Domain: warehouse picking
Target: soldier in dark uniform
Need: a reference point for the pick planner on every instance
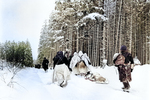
(45, 64)
(126, 68)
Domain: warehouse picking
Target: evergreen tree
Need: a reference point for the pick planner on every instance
(28, 61)
(17, 54)
(128, 24)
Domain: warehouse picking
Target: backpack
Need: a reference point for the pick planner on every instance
(120, 60)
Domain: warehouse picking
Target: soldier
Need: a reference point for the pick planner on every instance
(124, 62)
(45, 64)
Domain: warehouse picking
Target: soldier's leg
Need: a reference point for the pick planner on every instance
(126, 85)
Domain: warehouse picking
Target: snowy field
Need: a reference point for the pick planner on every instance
(35, 84)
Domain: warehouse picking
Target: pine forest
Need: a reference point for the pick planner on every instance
(98, 28)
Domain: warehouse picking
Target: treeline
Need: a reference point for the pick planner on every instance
(98, 28)
(128, 24)
(60, 31)
(17, 54)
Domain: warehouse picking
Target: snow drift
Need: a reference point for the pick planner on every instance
(35, 84)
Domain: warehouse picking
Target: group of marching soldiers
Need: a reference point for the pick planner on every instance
(123, 61)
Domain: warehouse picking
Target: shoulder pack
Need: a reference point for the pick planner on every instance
(120, 60)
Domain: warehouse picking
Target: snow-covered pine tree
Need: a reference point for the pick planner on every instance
(28, 61)
(127, 24)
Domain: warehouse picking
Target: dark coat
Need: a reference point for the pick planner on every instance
(124, 73)
(128, 57)
(45, 64)
(125, 70)
(60, 59)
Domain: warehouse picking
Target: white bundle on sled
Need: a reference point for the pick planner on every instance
(80, 63)
(61, 74)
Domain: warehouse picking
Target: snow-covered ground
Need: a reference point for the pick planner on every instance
(35, 84)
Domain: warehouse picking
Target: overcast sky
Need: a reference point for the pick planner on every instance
(22, 20)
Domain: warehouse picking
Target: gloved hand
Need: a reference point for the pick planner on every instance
(131, 69)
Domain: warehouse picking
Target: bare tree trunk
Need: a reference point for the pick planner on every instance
(104, 39)
(97, 43)
(118, 25)
(130, 44)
